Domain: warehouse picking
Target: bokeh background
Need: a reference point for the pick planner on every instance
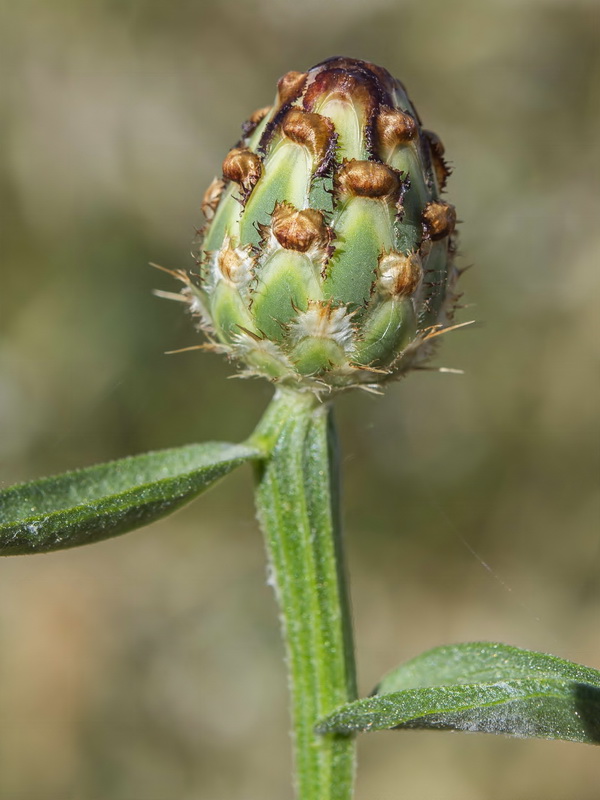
(149, 667)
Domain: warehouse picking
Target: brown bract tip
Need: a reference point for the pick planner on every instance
(211, 198)
(442, 170)
(289, 86)
(243, 167)
(229, 263)
(299, 230)
(311, 130)
(382, 83)
(439, 219)
(234, 264)
(254, 119)
(259, 114)
(395, 127)
(400, 275)
(349, 87)
(367, 179)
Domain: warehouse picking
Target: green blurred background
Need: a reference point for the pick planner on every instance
(149, 667)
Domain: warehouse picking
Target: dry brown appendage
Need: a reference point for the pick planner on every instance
(299, 230)
(211, 198)
(313, 131)
(235, 265)
(442, 170)
(254, 120)
(439, 219)
(289, 86)
(243, 167)
(380, 80)
(394, 127)
(342, 85)
(400, 275)
(367, 179)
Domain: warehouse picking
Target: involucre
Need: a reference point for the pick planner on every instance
(326, 259)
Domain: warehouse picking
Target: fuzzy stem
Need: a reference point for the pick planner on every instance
(297, 500)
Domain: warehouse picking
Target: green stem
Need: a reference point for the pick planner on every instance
(298, 507)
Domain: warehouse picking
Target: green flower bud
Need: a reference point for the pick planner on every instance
(326, 260)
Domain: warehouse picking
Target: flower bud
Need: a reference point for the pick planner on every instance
(326, 258)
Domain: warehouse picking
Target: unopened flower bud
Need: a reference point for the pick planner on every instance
(326, 260)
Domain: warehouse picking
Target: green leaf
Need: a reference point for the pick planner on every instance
(482, 687)
(98, 502)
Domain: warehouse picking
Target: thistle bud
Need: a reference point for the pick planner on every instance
(326, 258)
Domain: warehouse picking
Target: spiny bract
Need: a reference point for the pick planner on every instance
(326, 260)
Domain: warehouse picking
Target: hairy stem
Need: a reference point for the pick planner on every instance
(298, 507)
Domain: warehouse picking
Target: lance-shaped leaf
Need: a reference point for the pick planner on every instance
(482, 687)
(98, 502)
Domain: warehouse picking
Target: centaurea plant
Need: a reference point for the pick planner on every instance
(326, 264)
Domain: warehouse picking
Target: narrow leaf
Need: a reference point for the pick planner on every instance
(482, 687)
(98, 502)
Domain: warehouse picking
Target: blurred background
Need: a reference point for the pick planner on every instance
(149, 667)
